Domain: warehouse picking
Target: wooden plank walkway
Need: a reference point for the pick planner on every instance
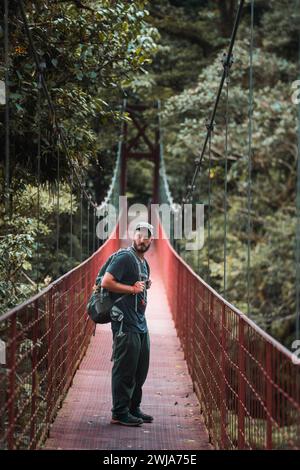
(83, 422)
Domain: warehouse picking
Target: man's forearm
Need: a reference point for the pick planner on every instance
(118, 287)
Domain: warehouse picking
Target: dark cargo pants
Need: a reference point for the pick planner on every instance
(131, 354)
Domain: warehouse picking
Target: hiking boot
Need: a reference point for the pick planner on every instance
(139, 414)
(127, 420)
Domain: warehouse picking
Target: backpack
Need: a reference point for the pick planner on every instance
(100, 303)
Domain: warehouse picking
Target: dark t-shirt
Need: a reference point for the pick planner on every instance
(123, 268)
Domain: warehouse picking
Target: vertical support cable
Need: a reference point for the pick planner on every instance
(94, 230)
(191, 196)
(250, 128)
(171, 227)
(38, 180)
(7, 130)
(81, 195)
(227, 64)
(298, 217)
(225, 179)
(71, 215)
(98, 241)
(88, 228)
(209, 204)
(58, 196)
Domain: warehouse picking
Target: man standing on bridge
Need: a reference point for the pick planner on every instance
(131, 346)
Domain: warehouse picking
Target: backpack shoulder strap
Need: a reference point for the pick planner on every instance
(148, 267)
(137, 264)
(134, 256)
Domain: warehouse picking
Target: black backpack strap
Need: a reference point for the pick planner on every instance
(134, 256)
(136, 262)
(148, 268)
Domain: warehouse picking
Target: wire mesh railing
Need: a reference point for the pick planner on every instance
(45, 340)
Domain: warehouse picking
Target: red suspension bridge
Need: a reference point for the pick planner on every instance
(216, 380)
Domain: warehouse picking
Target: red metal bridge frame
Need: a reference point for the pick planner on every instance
(130, 147)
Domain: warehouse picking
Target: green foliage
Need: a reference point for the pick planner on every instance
(88, 52)
(15, 253)
(28, 243)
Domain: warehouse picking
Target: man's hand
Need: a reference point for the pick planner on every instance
(139, 286)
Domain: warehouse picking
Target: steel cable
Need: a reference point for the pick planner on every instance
(58, 202)
(227, 63)
(250, 131)
(297, 333)
(7, 128)
(38, 181)
(71, 215)
(226, 66)
(209, 207)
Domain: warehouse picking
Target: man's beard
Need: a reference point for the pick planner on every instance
(141, 249)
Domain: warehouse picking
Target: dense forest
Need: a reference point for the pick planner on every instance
(96, 53)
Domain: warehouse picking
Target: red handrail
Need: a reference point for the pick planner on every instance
(246, 382)
(46, 338)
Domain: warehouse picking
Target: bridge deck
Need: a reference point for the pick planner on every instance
(83, 422)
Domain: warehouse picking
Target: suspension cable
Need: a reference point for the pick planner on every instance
(71, 215)
(227, 66)
(209, 205)
(250, 131)
(94, 230)
(81, 224)
(198, 161)
(298, 219)
(58, 201)
(164, 185)
(88, 229)
(38, 180)
(7, 130)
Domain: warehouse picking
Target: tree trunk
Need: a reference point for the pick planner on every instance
(226, 9)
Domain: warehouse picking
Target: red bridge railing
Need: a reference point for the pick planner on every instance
(45, 340)
(246, 382)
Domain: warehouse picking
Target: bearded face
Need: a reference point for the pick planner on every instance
(142, 240)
